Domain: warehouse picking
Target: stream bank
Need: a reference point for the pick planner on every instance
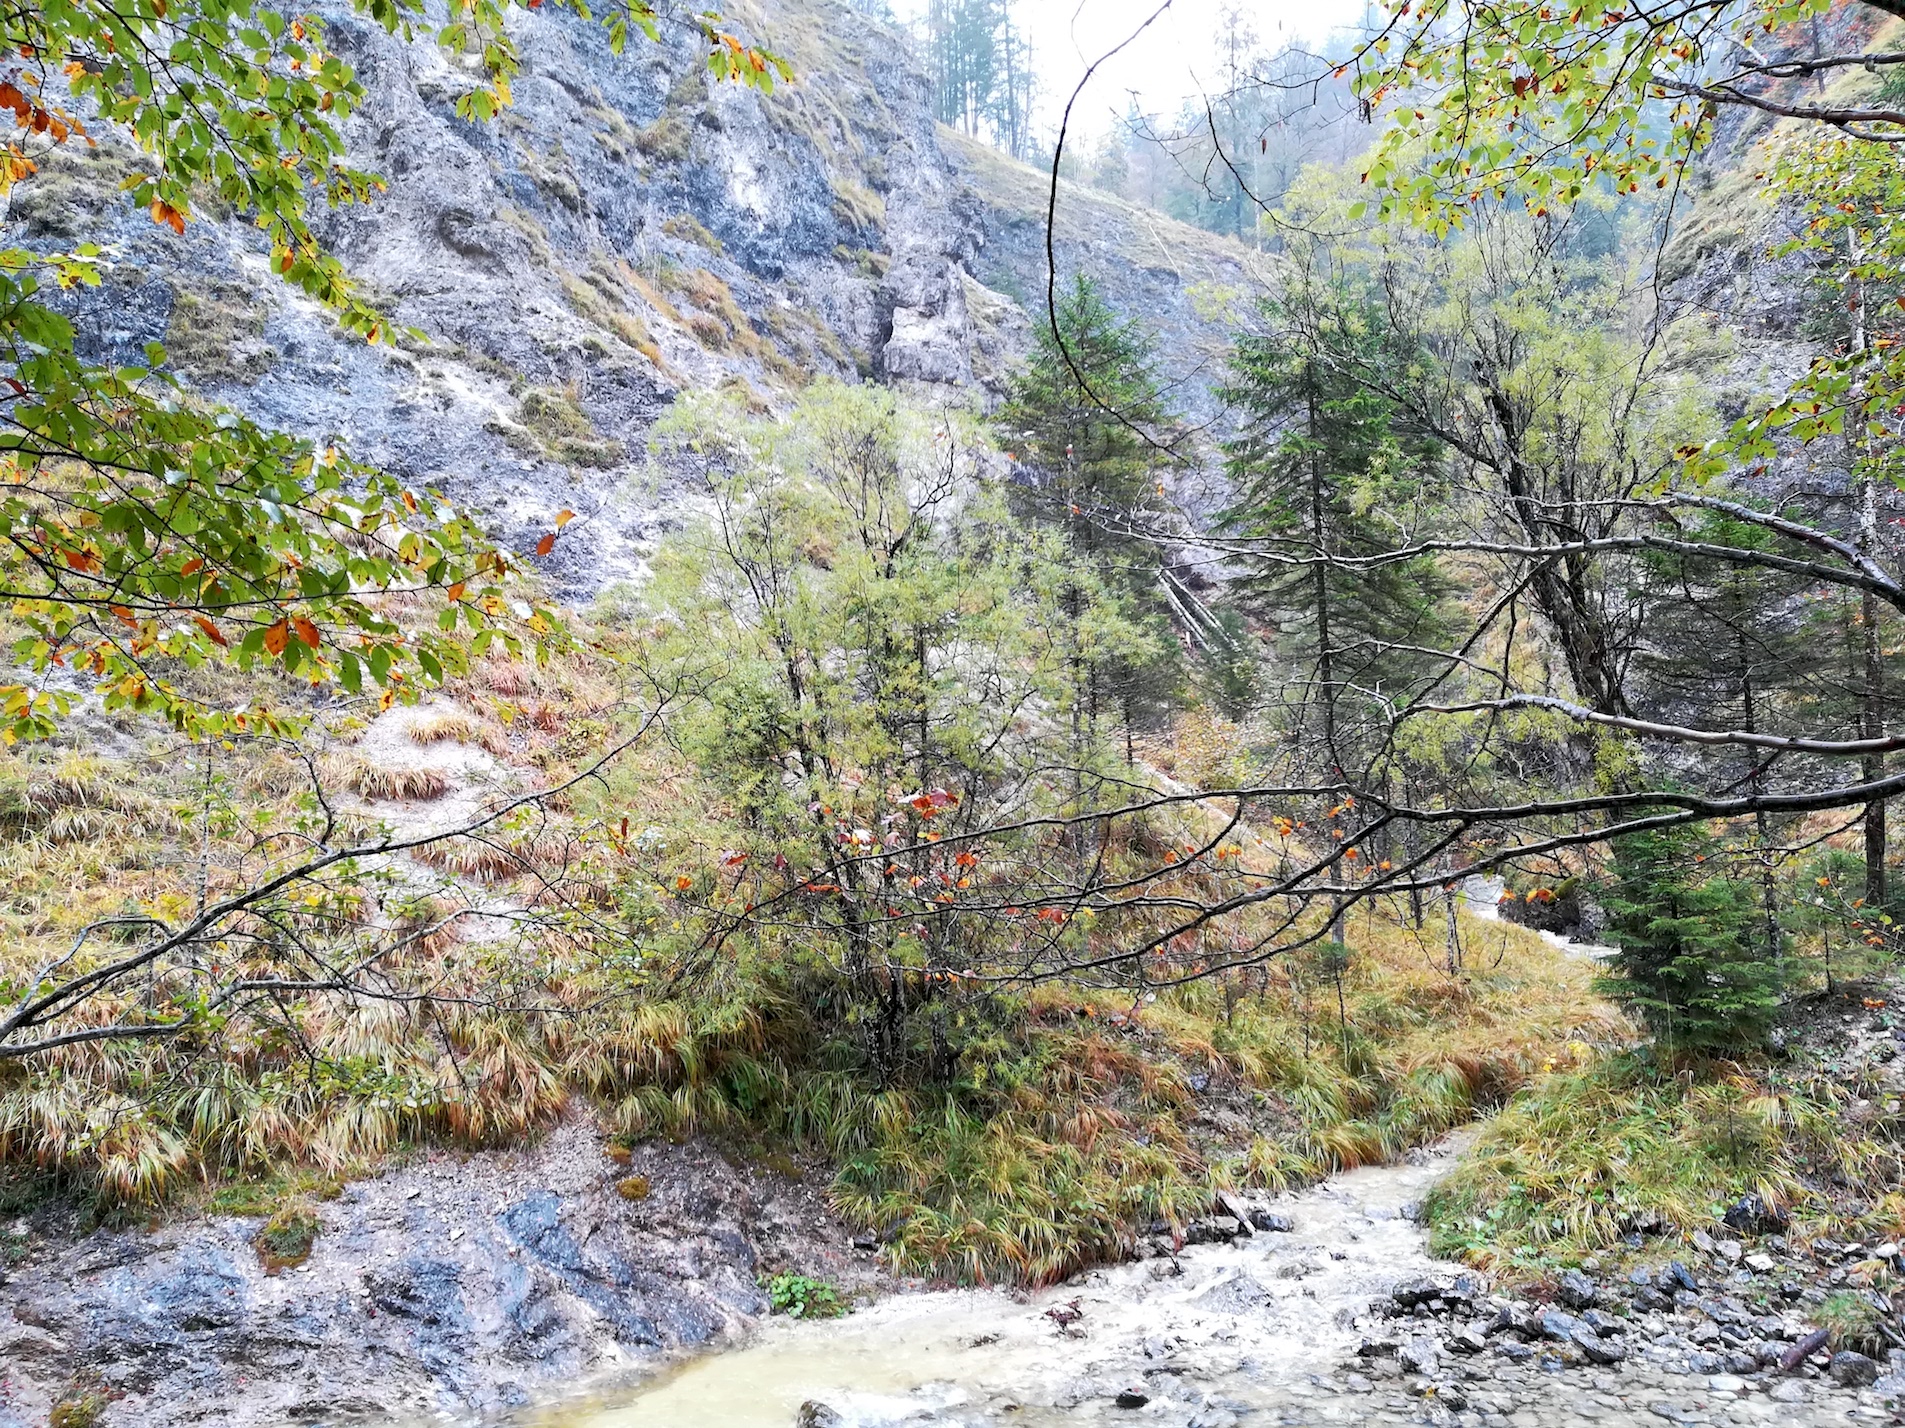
(455, 1288)
(543, 1288)
(1335, 1315)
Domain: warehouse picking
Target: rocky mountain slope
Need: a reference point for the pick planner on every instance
(627, 230)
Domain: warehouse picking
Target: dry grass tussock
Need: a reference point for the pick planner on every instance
(381, 783)
(1073, 1120)
(440, 726)
(78, 799)
(1585, 1158)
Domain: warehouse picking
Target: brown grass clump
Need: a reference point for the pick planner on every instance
(380, 783)
(454, 726)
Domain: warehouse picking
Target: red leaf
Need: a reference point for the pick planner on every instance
(546, 544)
(211, 632)
(306, 631)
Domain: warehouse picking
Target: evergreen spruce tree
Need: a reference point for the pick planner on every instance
(1686, 962)
(1093, 434)
(1740, 645)
(981, 68)
(1319, 469)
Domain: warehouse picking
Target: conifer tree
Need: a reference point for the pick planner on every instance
(1739, 643)
(1319, 469)
(1093, 434)
(982, 73)
(1685, 961)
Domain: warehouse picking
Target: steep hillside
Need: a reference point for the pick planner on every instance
(626, 231)
(1195, 288)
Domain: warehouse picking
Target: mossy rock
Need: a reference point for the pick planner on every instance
(215, 335)
(286, 1239)
(562, 430)
(82, 1412)
(686, 227)
(668, 140)
(782, 1164)
(74, 188)
(632, 1187)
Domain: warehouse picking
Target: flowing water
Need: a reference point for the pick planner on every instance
(1256, 1332)
(1254, 1325)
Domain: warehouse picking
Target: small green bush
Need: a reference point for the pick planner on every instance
(799, 1297)
(1855, 1319)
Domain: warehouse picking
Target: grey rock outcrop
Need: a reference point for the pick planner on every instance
(461, 1285)
(628, 230)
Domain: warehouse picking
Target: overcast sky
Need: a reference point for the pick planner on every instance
(1172, 60)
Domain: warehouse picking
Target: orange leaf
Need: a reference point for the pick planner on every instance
(410, 503)
(211, 632)
(546, 544)
(455, 592)
(563, 518)
(306, 631)
(192, 566)
(277, 637)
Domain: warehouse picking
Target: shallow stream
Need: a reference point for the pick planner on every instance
(1243, 1328)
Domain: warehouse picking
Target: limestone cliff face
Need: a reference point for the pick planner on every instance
(626, 231)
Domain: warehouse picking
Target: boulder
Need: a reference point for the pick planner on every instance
(1419, 1355)
(1576, 1290)
(1597, 1349)
(1469, 1340)
(1230, 1205)
(815, 1414)
(1850, 1370)
(1559, 1326)
(1602, 1323)
(1449, 1288)
(1750, 1215)
(1515, 1319)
